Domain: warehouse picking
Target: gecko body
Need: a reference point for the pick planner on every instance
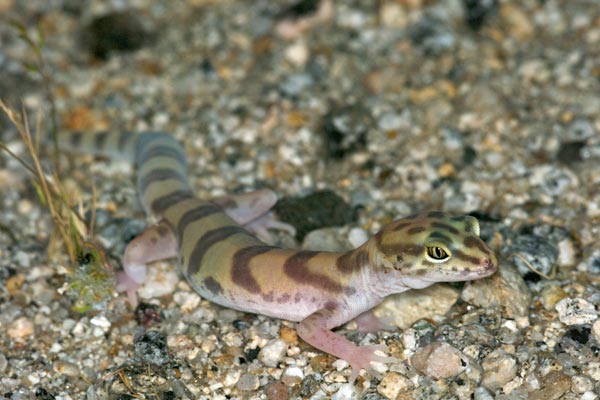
(228, 265)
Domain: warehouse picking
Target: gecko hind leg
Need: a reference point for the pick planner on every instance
(156, 242)
(252, 210)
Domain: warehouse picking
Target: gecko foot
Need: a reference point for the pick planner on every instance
(362, 357)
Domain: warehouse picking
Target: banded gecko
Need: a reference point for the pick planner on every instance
(321, 290)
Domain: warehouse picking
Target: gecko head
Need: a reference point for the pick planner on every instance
(434, 247)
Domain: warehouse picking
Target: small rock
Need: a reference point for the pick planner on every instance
(576, 311)
(3, 363)
(439, 360)
(404, 309)
(66, 368)
(151, 347)
(327, 239)
(20, 328)
(550, 295)
(292, 376)
(505, 290)
(552, 386)
(248, 382)
(277, 390)
(477, 11)
(392, 384)
(499, 367)
(538, 252)
(317, 210)
(595, 330)
(581, 384)
(346, 391)
(118, 31)
(580, 129)
(345, 130)
(272, 354)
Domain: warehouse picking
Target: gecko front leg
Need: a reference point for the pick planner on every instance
(316, 331)
(157, 242)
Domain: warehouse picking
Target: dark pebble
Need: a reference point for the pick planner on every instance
(151, 347)
(317, 210)
(478, 11)
(117, 31)
(570, 152)
(345, 131)
(536, 250)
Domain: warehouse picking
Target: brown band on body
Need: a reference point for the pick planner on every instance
(160, 151)
(240, 268)
(193, 215)
(213, 286)
(208, 240)
(160, 174)
(295, 267)
(160, 204)
(352, 261)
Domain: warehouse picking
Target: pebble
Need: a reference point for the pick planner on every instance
(151, 347)
(346, 391)
(499, 367)
(66, 368)
(551, 294)
(273, 352)
(552, 386)
(248, 382)
(319, 209)
(576, 311)
(277, 390)
(292, 376)
(532, 251)
(20, 328)
(439, 360)
(581, 384)
(3, 363)
(345, 131)
(406, 308)
(392, 384)
(596, 330)
(505, 290)
(118, 31)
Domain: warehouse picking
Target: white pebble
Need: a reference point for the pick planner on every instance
(357, 237)
(272, 354)
(576, 311)
(345, 392)
(292, 376)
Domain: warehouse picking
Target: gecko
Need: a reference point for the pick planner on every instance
(228, 265)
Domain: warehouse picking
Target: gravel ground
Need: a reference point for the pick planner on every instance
(380, 108)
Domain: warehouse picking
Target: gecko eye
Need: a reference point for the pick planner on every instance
(436, 254)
